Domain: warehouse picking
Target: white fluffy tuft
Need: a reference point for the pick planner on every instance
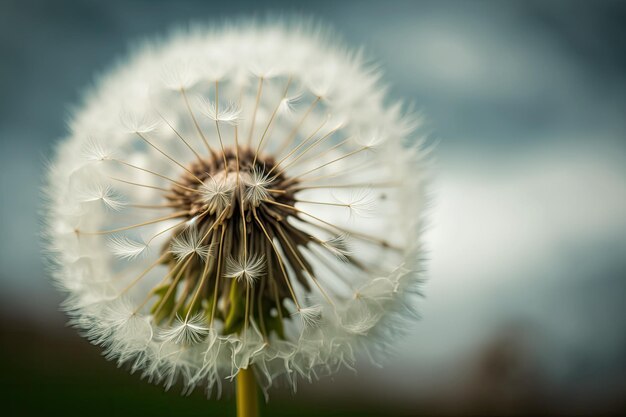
(339, 247)
(188, 331)
(310, 316)
(249, 270)
(103, 193)
(189, 243)
(217, 193)
(126, 248)
(256, 187)
(228, 113)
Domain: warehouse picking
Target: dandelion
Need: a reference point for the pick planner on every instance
(269, 224)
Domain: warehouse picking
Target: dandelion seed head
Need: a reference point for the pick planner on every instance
(235, 153)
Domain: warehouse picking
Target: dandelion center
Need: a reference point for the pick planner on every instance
(236, 258)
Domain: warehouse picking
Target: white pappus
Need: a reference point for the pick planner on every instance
(271, 180)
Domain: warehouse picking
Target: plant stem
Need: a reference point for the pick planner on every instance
(247, 395)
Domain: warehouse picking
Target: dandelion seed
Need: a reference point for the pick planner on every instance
(104, 193)
(249, 270)
(189, 243)
(188, 331)
(127, 248)
(310, 316)
(95, 151)
(216, 194)
(257, 184)
(138, 123)
(338, 246)
(287, 105)
(228, 112)
(180, 75)
(360, 202)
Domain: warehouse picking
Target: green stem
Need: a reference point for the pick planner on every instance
(247, 394)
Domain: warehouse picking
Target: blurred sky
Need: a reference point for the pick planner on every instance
(527, 232)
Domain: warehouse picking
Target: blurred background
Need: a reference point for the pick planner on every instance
(525, 304)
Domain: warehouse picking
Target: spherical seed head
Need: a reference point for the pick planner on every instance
(238, 197)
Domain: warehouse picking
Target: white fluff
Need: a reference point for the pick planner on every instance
(127, 248)
(248, 270)
(217, 193)
(256, 187)
(310, 316)
(188, 243)
(104, 193)
(338, 246)
(333, 93)
(226, 112)
(188, 331)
